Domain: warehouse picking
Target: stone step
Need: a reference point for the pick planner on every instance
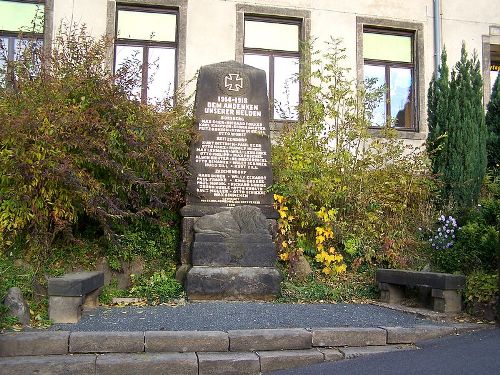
(200, 352)
(46, 343)
(201, 363)
(232, 283)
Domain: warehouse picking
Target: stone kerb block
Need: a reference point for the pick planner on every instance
(147, 363)
(348, 336)
(404, 335)
(228, 363)
(48, 365)
(33, 343)
(269, 339)
(106, 342)
(186, 341)
(284, 359)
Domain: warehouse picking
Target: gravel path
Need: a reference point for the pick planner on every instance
(207, 316)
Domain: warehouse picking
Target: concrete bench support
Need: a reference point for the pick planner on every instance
(69, 294)
(446, 288)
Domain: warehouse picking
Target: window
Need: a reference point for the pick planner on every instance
(494, 63)
(16, 18)
(388, 57)
(273, 46)
(149, 36)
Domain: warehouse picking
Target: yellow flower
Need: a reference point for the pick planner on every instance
(328, 233)
(284, 244)
(320, 239)
(339, 258)
(341, 269)
(278, 198)
(319, 230)
(331, 250)
(327, 270)
(320, 246)
(284, 256)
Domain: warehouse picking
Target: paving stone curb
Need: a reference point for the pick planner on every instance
(202, 352)
(269, 339)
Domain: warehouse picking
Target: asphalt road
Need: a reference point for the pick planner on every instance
(476, 353)
(207, 316)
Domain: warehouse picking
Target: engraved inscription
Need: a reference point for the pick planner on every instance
(232, 161)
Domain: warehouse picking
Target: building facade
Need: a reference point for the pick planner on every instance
(396, 42)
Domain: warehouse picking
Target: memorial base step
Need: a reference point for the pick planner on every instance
(232, 283)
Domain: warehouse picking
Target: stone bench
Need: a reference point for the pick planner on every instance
(445, 288)
(70, 293)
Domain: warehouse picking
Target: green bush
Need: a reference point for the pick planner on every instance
(76, 152)
(457, 131)
(159, 288)
(481, 287)
(377, 187)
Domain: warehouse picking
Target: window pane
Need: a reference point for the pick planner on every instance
(131, 58)
(493, 77)
(259, 62)
(4, 53)
(387, 47)
(401, 97)
(20, 46)
(271, 35)
(16, 16)
(286, 88)
(146, 26)
(161, 80)
(377, 73)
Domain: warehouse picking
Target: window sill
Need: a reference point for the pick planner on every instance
(403, 134)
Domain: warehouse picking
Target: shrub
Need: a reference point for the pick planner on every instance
(492, 121)
(76, 153)
(457, 131)
(159, 288)
(481, 287)
(378, 189)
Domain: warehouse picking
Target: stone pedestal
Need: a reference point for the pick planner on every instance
(225, 230)
(233, 257)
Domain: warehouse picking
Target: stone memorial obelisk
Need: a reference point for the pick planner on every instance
(227, 245)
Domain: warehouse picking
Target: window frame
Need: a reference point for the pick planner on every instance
(272, 54)
(145, 45)
(13, 36)
(421, 127)
(388, 64)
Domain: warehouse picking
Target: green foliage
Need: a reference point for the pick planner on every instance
(378, 186)
(75, 150)
(493, 125)
(349, 288)
(481, 287)
(159, 288)
(475, 249)
(477, 239)
(457, 139)
(111, 291)
(155, 242)
(19, 274)
(437, 116)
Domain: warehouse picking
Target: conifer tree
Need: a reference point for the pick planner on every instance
(437, 116)
(467, 136)
(493, 126)
(457, 131)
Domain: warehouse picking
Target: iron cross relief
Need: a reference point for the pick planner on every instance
(233, 82)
